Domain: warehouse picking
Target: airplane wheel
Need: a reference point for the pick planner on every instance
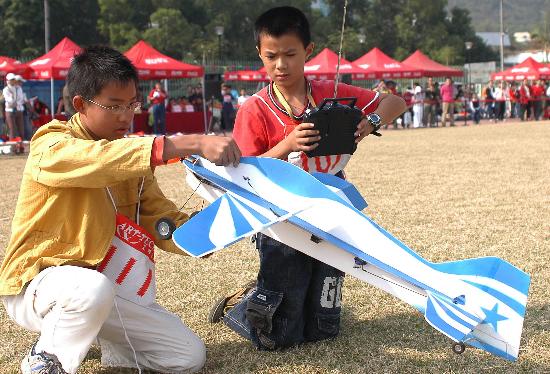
(165, 227)
(459, 348)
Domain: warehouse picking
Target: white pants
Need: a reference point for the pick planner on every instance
(418, 112)
(72, 306)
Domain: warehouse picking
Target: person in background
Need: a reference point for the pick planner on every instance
(417, 106)
(475, 108)
(186, 105)
(228, 111)
(407, 115)
(177, 107)
(157, 97)
(513, 94)
(447, 93)
(14, 107)
(430, 103)
(27, 110)
(196, 99)
(3, 129)
(500, 101)
(537, 95)
(524, 99)
(190, 92)
(242, 98)
(488, 96)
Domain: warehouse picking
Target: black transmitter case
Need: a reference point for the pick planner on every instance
(337, 124)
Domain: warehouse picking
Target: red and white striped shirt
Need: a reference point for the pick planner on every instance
(262, 123)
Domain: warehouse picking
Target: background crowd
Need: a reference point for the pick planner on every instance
(436, 103)
(431, 104)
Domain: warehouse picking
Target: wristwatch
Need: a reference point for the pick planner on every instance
(375, 120)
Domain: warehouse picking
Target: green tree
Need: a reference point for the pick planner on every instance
(121, 21)
(171, 33)
(22, 26)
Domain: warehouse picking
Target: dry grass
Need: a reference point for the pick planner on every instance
(448, 193)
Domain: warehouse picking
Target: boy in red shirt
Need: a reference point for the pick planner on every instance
(296, 298)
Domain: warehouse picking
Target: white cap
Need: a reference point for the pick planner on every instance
(417, 89)
(19, 78)
(10, 76)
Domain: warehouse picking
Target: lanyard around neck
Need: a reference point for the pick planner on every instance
(285, 103)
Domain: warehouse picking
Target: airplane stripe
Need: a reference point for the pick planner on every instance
(513, 304)
(468, 317)
(449, 317)
(492, 267)
(434, 319)
(497, 285)
(452, 313)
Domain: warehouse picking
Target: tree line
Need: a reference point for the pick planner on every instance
(185, 29)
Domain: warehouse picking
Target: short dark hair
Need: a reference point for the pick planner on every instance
(97, 66)
(280, 21)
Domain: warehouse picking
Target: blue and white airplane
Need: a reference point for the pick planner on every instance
(480, 302)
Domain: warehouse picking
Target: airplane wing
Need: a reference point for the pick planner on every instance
(226, 221)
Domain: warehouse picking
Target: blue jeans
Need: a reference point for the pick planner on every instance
(296, 300)
(159, 119)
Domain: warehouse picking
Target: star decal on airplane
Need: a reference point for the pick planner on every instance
(492, 317)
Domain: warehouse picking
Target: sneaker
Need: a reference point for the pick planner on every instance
(41, 363)
(224, 304)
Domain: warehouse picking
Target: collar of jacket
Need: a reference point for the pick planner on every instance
(79, 129)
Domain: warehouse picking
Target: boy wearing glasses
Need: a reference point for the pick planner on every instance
(79, 267)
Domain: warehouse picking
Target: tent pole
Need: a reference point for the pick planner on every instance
(52, 110)
(204, 116)
(166, 91)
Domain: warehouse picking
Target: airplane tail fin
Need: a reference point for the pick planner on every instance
(500, 326)
(494, 276)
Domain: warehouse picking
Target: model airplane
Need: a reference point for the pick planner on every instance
(480, 302)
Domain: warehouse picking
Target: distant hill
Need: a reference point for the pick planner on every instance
(519, 15)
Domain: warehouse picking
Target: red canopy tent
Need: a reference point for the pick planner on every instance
(54, 65)
(151, 64)
(375, 64)
(430, 68)
(528, 69)
(10, 65)
(323, 66)
(246, 75)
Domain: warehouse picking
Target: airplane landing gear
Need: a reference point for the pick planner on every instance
(459, 348)
(165, 228)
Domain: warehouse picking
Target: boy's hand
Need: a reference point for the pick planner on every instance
(220, 150)
(364, 128)
(303, 138)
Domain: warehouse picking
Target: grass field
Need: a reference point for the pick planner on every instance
(449, 194)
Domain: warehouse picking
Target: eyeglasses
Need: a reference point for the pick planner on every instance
(118, 109)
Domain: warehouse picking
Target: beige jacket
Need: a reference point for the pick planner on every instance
(63, 213)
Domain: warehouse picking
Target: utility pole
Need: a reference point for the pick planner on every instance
(501, 37)
(46, 26)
